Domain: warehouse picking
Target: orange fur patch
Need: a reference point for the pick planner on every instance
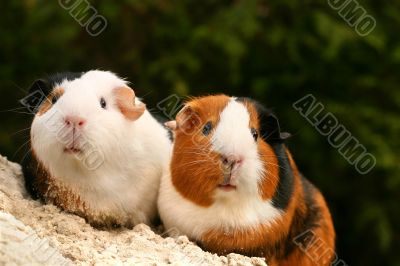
(271, 178)
(194, 168)
(47, 104)
(250, 241)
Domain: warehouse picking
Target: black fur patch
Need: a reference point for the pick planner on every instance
(60, 77)
(313, 210)
(285, 187)
(271, 133)
(30, 170)
(269, 123)
(304, 222)
(38, 92)
(41, 88)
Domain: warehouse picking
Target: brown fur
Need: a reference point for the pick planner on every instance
(270, 182)
(195, 174)
(54, 192)
(47, 104)
(192, 154)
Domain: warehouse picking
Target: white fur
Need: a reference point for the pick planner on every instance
(132, 155)
(233, 210)
(232, 136)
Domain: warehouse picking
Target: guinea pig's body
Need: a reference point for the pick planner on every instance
(234, 187)
(95, 150)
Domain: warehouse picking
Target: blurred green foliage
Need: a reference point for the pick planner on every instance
(274, 51)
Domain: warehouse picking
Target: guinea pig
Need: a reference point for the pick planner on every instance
(234, 186)
(95, 150)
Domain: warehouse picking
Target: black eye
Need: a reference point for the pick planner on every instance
(254, 133)
(54, 99)
(103, 103)
(207, 128)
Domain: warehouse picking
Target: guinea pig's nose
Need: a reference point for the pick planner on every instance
(231, 160)
(75, 121)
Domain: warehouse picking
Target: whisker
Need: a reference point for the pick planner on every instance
(142, 97)
(266, 135)
(192, 163)
(23, 158)
(19, 131)
(274, 156)
(23, 145)
(18, 87)
(284, 168)
(195, 153)
(25, 113)
(14, 109)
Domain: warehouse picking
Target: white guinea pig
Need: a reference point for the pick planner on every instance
(94, 148)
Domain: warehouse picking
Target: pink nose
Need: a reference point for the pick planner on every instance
(231, 160)
(75, 121)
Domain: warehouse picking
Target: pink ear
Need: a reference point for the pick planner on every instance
(125, 100)
(187, 119)
(172, 125)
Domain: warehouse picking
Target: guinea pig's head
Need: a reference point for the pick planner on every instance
(223, 149)
(82, 119)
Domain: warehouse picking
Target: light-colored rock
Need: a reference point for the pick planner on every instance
(31, 232)
(20, 245)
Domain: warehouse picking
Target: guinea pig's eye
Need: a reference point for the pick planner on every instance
(103, 103)
(254, 133)
(54, 99)
(207, 128)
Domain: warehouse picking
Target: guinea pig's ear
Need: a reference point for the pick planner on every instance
(37, 94)
(272, 131)
(171, 125)
(125, 101)
(187, 119)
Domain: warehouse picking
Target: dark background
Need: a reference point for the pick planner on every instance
(274, 51)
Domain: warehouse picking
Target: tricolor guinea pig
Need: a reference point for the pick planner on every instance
(94, 149)
(234, 186)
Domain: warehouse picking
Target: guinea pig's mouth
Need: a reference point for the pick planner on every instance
(72, 150)
(227, 187)
(230, 174)
(228, 183)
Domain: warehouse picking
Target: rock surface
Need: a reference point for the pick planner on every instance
(20, 245)
(36, 234)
